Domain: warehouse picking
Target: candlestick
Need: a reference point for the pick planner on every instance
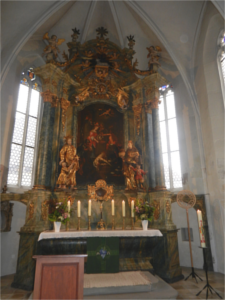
(68, 206)
(113, 208)
(89, 208)
(78, 224)
(132, 208)
(201, 229)
(113, 223)
(123, 228)
(123, 208)
(78, 208)
(89, 223)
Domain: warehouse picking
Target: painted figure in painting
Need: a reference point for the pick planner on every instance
(93, 136)
(68, 156)
(51, 51)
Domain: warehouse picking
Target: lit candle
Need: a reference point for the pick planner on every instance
(68, 205)
(123, 208)
(89, 208)
(201, 229)
(132, 208)
(78, 208)
(113, 208)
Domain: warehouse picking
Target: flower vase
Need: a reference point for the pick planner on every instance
(57, 226)
(144, 224)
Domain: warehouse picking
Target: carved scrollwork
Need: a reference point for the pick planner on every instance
(100, 191)
(137, 113)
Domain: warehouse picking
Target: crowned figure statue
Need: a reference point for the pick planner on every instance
(70, 164)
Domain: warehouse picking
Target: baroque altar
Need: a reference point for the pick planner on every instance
(100, 122)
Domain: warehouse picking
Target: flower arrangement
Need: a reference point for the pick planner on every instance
(143, 210)
(59, 212)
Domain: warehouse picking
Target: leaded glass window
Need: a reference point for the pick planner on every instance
(221, 61)
(22, 154)
(169, 138)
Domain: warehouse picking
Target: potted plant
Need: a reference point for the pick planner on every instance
(144, 211)
(59, 214)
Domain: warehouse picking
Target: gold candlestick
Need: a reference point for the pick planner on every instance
(78, 224)
(89, 223)
(123, 228)
(113, 223)
(132, 223)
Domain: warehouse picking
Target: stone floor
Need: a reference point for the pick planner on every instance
(186, 289)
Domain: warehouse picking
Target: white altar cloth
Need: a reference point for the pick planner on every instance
(99, 233)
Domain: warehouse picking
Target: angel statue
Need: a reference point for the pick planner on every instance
(153, 54)
(51, 51)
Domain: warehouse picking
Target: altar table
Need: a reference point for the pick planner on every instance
(96, 233)
(135, 247)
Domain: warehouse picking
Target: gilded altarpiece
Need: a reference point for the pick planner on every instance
(107, 118)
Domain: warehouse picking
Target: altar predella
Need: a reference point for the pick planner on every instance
(100, 122)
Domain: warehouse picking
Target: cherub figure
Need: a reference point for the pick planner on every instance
(138, 176)
(51, 51)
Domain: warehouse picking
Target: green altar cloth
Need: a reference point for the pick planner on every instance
(103, 255)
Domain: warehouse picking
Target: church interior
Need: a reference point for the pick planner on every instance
(112, 128)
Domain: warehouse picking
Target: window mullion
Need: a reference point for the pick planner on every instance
(24, 137)
(168, 142)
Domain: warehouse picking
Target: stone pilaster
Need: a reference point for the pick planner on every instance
(44, 161)
(159, 173)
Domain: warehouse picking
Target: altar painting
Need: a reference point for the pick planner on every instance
(99, 144)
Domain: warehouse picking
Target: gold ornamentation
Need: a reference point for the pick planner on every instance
(101, 71)
(65, 91)
(54, 83)
(155, 103)
(137, 113)
(64, 106)
(100, 192)
(47, 81)
(30, 211)
(157, 209)
(168, 206)
(122, 99)
(47, 96)
(44, 210)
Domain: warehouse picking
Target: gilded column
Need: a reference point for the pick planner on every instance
(159, 173)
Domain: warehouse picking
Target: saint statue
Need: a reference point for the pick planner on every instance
(70, 164)
(131, 159)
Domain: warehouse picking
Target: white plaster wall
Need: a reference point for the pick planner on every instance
(180, 220)
(10, 240)
(211, 107)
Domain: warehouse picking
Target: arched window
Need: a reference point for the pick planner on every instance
(169, 138)
(221, 60)
(24, 141)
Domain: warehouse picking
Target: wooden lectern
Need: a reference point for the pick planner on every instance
(59, 276)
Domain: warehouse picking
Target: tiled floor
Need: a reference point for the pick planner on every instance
(186, 289)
